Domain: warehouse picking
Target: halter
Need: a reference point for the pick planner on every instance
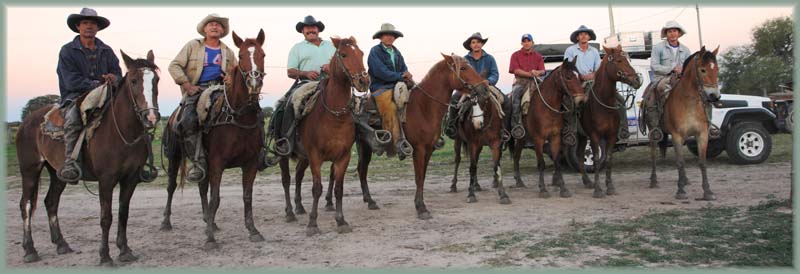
(457, 74)
(137, 111)
(563, 90)
(353, 79)
(620, 73)
(701, 86)
(252, 77)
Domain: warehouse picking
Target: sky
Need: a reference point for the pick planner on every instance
(33, 45)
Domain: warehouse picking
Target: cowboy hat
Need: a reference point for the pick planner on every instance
(387, 28)
(309, 21)
(574, 36)
(213, 18)
(671, 25)
(476, 35)
(86, 13)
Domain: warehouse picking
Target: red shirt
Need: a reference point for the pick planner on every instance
(526, 61)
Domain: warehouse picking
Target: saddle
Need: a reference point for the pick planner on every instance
(209, 104)
(653, 101)
(91, 105)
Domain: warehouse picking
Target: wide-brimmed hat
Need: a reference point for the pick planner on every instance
(213, 18)
(476, 35)
(309, 21)
(574, 36)
(387, 28)
(671, 25)
(87, 13)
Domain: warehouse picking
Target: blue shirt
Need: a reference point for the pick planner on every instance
(385, 71)
(485, 64)
(80, 69)
(588, 61)
(212, 65)
(305, 56)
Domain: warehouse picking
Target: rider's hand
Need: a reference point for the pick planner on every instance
(313, 75)
(190, 89)
(110, 78)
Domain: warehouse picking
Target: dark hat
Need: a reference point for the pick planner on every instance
(86, 13)
(476, 35)
(387, 28)
(309, 21)
(574, 36)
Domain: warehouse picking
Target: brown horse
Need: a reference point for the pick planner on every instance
(600, 119)
(484, 127)
(328, 132)
(545, 119)
(684, 116)
(231, 142)
(114, 155)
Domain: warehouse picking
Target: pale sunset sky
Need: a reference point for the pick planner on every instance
(36, 33)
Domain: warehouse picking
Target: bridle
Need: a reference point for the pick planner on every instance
(457, 74)
(141, 114)
(700, 84)
(564, 90)
(354, 78)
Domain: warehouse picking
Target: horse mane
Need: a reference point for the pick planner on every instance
(438, 66)
(707, 57)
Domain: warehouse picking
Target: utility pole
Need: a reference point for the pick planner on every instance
(611, 19)
(699, 33)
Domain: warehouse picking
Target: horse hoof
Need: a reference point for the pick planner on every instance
(709, 197)
(598, 194)
(505, 201)
(565, 194)
(127, 257)
(300, 210)
(654, 185)
(330, 208)
(424, 216)
(453, 189)
(478, 187)
(544, 194)
(681, 196)
(290, 218)
(215, 227)
(106, 263)
(63, 249)
(472, 200)
(211, 246)
(256, 238)
(344, 229)
(373, 206)
(33, 257)
(166, 227)
(312, 230)
(611, 191)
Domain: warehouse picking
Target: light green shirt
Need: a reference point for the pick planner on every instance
(390, 50)
(305, 56)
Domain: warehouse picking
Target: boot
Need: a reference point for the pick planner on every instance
(517, 130)
(194, 149)
(624, 133)
(713, 131)
(71, 172)
(452, 115)
(653, 121)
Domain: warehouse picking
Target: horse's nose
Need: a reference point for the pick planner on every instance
(579, 99)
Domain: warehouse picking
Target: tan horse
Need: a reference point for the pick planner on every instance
(684, 116)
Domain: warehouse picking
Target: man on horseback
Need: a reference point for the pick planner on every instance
(588, 63)
(308, 61)
(483, 63)
(83, 64)
(388, 73)
(201, 64)
(527, 65)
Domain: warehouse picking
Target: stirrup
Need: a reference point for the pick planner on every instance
(383, 136)
(569, 139)
(518, 132)
(202, 172)
(283, 147)
(450, 131)
(623, 134)
(75, 180)
(714, 132)
(148, 173)
(656, 135)
(505, 135)
(405, 147)
(439, 143)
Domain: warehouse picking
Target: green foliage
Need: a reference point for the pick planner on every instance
(38, 102)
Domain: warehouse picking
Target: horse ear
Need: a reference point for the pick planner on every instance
(150, 57)
(260, 38)
(336, 41)
(447, 57)
(716, 50)
(236, 39)
(574, 60)
(619, 47)
(353, 39)
(125, 58)
(607, 50)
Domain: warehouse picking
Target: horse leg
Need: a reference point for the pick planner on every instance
(516, 154)
(610, 189)
(341, 166)
(106, 189)
(598, 166)
(51, 202)
(457, 161)
(677, 143)
(422, 155)
(316, 190)
(214, 176)
(702, 145)
(653, 176)
(249, 172)
(27, 205)
(126, 189)
(286, 180)
(329, 196)
(558, 178)
(203, 186)
(175, 161)
(474, 150)
(497, 153)
(580, 151)
(300, 171)
(539, 143)
(364, 157)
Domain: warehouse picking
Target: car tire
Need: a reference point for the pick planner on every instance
(588, 158)
(714, 148)
(748, 143)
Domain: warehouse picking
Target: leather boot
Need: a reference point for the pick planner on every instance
(195, 151)
(70, 172)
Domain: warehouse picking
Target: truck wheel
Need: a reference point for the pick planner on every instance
(748, 143)
(588, 158)
(714, 148)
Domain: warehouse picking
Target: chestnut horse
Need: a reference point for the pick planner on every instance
(234, 142)
(684, 116)
(484, 127)
(328, 132)
(545, 119)
(114, 155)
(600, 119)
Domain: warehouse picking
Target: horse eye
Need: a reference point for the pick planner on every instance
(463, 68)
(344, 55)
(702, 70)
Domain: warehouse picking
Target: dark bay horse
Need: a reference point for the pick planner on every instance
(114, 155)
(600, 119)
(482, 125)
(234, 142)
(684, 116)
(545, 119)
(328, 132)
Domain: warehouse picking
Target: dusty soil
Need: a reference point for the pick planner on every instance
(389, 237)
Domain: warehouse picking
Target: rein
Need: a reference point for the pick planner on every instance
(563, 90)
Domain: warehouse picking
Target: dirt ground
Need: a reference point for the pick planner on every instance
(389, 237)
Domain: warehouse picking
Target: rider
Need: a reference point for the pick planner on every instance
(527, 65)
(387, 69)
(83, 64)
(201, 63)
(587, 64)
(482, 62)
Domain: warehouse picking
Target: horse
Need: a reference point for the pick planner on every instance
(544, 120)
(330, 117)
(684, 116)
(600, 119)
(115, 154)
(484, 127)
(233, 141)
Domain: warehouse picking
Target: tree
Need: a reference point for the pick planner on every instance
(758, 68)
(267, 111)
(38, 102)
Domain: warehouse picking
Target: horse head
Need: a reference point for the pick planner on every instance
(464, 79)
(619, 67)
(570, 80)
(703, 66)
(349, 59)
(141, 82)
(251, 63)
